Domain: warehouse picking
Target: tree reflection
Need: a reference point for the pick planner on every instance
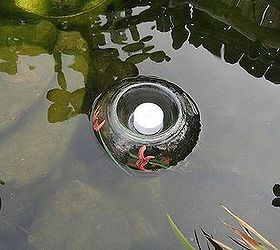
(244, 32)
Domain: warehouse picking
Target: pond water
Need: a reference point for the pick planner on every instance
(61, 189)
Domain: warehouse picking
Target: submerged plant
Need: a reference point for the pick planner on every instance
(248, 237)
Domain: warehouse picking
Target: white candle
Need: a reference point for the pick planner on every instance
(148, 118)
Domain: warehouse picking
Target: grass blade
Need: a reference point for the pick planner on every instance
(215, 243)
(197, 241)
(245, 225)
(185, 243)
(248, 240)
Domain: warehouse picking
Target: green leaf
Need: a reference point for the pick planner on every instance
(186, 245)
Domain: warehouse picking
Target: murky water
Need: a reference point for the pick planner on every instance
(61, 189)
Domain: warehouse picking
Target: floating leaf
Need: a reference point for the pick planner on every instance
(276, 190)
(138, 58)
(2, 182)
(247, 228)
(133, 47)
(186, 245)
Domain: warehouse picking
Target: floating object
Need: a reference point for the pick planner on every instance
(148, 123)
(148, 118)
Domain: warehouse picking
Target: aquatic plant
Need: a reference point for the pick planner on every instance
(245, 236)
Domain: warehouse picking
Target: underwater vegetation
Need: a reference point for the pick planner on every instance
(248, 237)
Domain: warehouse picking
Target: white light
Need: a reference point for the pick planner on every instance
(148, 118)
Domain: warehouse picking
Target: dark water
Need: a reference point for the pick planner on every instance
(62, 191)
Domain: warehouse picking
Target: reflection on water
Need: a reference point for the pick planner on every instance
(61, 189)
(276, 192)
(244, 32)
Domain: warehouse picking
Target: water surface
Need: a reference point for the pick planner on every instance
(61, 189)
